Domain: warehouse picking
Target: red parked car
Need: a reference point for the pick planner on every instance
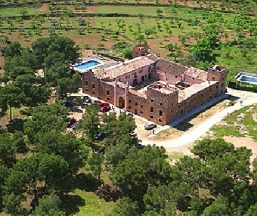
(105, 107)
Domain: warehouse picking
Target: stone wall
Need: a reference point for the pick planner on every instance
(160, 106)
(192, 80)
(219, 74)
(140, 50)
(137, 105)
(169, 71)
(197, 99)
(97, 88)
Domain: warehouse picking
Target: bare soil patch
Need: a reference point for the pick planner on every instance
(16, 113)
(140, 131)
(90, 9)
(89, 41)
(209, 112)
(44, 7)
(155, 45)
(247, 142)
(179, 152)
(168, 134)
(1, 64)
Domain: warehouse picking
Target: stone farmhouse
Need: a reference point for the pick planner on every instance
(156, 89)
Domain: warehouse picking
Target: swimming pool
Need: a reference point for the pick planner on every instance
(86, 65)
(247, 78)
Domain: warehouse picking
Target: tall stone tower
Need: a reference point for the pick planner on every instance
(218, 73)
(140, 49)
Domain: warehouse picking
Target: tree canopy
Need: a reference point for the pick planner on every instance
(203, 54)
(46, 118)
(46, 48)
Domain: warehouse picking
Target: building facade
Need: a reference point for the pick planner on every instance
(156, 89)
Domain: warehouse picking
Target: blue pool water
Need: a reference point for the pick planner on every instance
(87, 65)
(248, 79)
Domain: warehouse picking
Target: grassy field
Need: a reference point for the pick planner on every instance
(93, 205)
(21, 11)
(238, 59)
(240, 123)
(159, 31)
(171, 11)
(149, 10)
(81, 203)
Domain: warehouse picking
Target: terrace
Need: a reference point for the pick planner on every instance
(93, 62)
(163, 87)
(194, 89)
(87, 65)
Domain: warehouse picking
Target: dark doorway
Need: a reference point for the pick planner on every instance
(135, 111)
(134, 82)
(121, 102)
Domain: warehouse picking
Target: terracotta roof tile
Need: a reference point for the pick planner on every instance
(188, 92)
(126, 67)
(196, 73)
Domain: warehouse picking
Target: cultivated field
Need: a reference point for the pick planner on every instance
(118, 25)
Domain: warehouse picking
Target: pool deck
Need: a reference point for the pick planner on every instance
(104, 63)
(248, 75)
(99, 63)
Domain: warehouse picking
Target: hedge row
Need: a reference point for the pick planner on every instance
(244, 87)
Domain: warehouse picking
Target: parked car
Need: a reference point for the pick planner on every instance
(140, 146)
(71, 98)
(105, 107)
(72, 122)
(76, 124)
(87, 100)
(150, 126)
(98, 136)
(68, 103)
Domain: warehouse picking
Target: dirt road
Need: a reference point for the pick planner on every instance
(200, 130)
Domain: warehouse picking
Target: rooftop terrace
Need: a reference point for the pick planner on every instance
(193, 89)
(163, 87)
